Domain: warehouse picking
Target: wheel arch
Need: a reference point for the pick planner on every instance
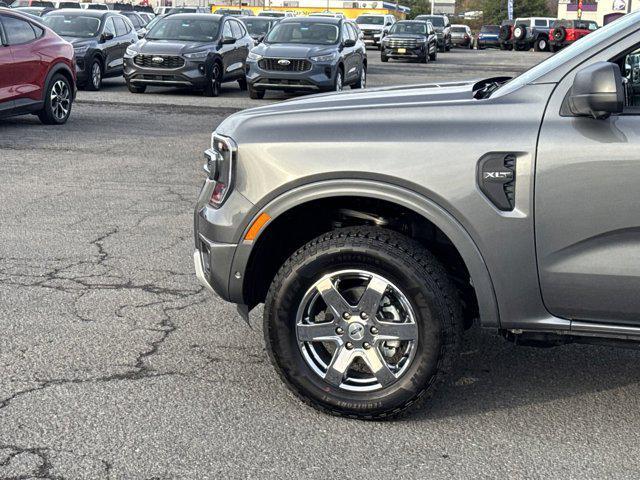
(63, 69)
(309, 201)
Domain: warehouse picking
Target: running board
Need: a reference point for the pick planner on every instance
(581, 329)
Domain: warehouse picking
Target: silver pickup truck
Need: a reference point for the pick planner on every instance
(377, 225)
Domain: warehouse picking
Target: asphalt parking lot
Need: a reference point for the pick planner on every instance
(115, 363)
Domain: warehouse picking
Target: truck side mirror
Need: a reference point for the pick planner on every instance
(597, 91)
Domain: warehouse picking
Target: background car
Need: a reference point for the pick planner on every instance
(32, 3)
(189, 10)
(565, 32)
(275, 14)
(308, 54)
(505, 36)
(67, 4)
(197, 51)
(531, 33)
(375, 27)
(442, 27)
(94, 6)
(99, 39)
(412, 39)
(488, 37)
(461, 36)
(36, 11)
(137, 21)
(327, 14)
(234, 12)
(36, 70)
(258, 27)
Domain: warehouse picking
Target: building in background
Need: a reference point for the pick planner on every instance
(602, 12)
(445, 6)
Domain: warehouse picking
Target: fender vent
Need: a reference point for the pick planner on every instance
(497, 179)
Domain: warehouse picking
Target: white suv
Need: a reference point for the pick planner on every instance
(375, 26)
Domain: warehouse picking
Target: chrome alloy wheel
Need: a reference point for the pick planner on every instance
(357, 330)
(60, 100)
(339, 81)
(96, 75)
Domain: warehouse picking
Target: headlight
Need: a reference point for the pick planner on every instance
(220, 159)
(197, 55)
(130, 52)
(254, 56)
(81, 50)
(325, 58)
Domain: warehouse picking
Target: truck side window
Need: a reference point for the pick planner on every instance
(630, 69)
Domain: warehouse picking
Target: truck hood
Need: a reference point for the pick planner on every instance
(404, 36)
(366, 99)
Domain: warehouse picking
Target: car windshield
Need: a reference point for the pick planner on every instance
(490, 29)
(153, 22)
(565, 55)
(272, 14)
(185, 29)
(410, 28)
(435, 20)
(304, 32)
(257, 26)
(182, 10)
(370, 20)
(78, 26)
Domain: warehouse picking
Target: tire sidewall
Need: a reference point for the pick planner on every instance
(421, 291)
(48, 112)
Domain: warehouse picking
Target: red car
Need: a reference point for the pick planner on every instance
(37, 70)
(565, 32)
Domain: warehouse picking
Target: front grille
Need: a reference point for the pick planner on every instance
(278, 65)
(402, 43)
(168, 61)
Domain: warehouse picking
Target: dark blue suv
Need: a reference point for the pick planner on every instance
(308, 54)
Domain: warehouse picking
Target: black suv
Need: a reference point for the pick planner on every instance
(442, 27)
(99, 39)
(413, 39)
(308, 54)
(194, 50)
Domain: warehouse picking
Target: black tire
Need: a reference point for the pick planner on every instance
(503, 46)
(552, 48)
(242, 82)
(94, 82)
(447, 46)
(559, 34)
(214, 81)
(442, 48)
(384, 58)
(520, 32)
(256, 94)
(53, 112)
(434, 56)
(338, 82)
(425, 57)
(362, 80)
(414, 271)
(136, 88)
(505, 32)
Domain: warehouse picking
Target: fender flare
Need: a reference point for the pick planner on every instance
(57, 68)
(425, 207)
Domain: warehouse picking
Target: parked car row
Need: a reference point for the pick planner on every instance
(537, 33)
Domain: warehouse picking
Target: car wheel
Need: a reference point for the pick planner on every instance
(362, 322)
(337, 84)
(256, 94)
(434, 56)
(58, 99)
(442, 48)
(552, 48)
(541, 45)
(242, 82)
(384, 58)
(94, 83)
(425, 57)
(362, 81)
(136, 88)
(214, 83)
(448, 46)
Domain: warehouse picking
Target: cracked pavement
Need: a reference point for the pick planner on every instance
(114, 364)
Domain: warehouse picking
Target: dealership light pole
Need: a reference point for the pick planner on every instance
(432, 7)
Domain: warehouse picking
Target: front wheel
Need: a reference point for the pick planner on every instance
(362, 322)
(337, 84)
(242, 83)
(256, 94)
(136, 88)
(384, 58)
(362, 81)
(434, 55)
(94, 83)
(214, 82)
(541, 45)
(58, 98)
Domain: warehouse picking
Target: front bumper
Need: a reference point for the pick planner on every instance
(191, 74)
(415, 52)
(319, 77)
(220, 256)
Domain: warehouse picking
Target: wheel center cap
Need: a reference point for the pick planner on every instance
(356, 331)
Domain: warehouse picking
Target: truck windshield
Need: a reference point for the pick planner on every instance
(409, 28)
(435, 20)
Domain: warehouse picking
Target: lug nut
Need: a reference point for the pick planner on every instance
(349, 345)
(364, 315)
(366, 346)
(339, 331)
(374, 331)
(346, 315)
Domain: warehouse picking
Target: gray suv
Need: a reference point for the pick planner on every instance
(374, 244)
(308, 54)
(193, 50)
